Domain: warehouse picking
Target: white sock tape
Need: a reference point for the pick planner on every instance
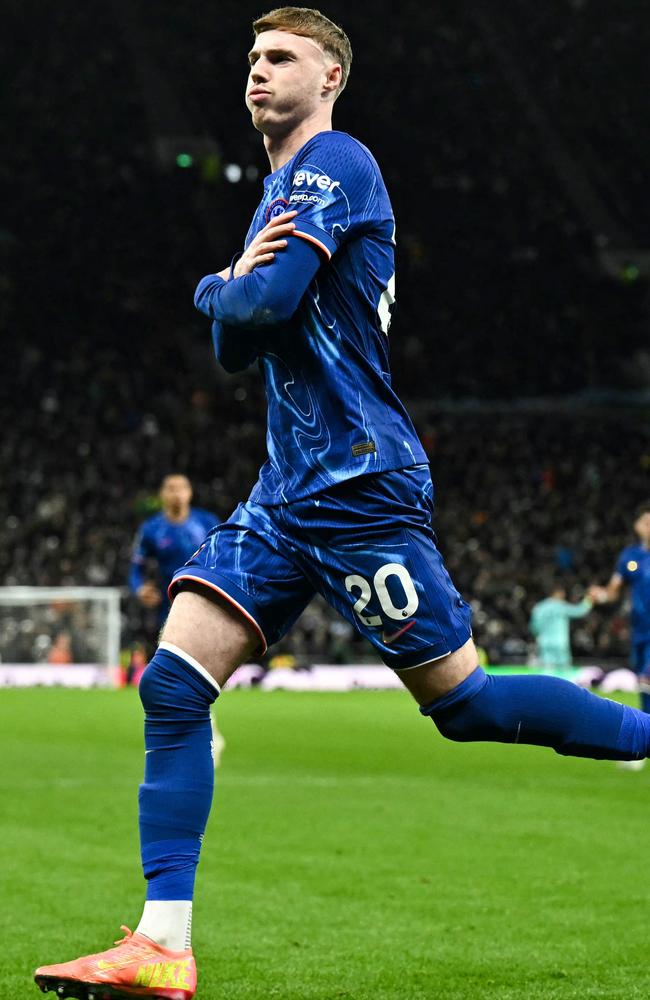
(190, 661)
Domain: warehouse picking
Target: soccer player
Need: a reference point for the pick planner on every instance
(633, 568)
(342, 507)
(167, 539)
(549, 623)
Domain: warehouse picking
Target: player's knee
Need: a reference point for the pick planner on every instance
(149, 686)
(170, 688)
(458, 729)
(469, 725)
(155, 688)
(470, 712)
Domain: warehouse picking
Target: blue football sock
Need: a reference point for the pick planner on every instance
(176, 795)
(542, 711)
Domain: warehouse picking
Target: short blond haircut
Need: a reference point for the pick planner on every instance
(311, 24)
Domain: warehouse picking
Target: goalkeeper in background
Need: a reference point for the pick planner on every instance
(550, 624)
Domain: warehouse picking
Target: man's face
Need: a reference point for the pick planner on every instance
(176, 492)
(642, 527)
(286, 80)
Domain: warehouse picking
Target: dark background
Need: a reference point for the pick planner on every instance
(514, 141)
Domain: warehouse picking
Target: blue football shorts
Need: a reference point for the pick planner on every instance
(367, 545)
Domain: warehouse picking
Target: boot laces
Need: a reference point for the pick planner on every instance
(128, 934)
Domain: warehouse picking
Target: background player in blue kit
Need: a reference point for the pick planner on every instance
(167, 540)
(633, 569)
(342, 507)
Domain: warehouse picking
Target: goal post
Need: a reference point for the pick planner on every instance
(59, 635)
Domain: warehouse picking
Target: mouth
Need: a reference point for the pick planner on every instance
(258, 95)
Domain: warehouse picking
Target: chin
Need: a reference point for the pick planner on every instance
(258, 122)
(257, 114)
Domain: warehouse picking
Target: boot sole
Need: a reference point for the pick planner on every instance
(76, 990)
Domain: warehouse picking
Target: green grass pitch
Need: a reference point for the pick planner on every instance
(351, 852)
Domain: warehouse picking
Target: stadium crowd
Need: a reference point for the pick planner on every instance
(522, 498)
(108, 381)
(587, 44)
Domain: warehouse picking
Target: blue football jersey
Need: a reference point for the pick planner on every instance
(168, 543)
(332, 413)
(633, 565)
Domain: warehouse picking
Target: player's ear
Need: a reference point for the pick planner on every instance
(332, 81)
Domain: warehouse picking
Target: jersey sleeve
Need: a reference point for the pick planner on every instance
(266, 297)
(233, 349)
(334, 188)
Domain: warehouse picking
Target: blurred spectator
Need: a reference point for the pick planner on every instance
(61, 649)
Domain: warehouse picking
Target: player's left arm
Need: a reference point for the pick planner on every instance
(235, 346)
(267, 296)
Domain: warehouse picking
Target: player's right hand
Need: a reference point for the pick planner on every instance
(266, 244)
(149, 595)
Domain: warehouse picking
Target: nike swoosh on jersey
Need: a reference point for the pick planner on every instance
(388, 639)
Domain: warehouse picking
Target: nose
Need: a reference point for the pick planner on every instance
(259, 72)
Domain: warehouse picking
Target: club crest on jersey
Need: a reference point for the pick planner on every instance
(276, 207)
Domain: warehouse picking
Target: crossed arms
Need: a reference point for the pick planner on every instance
(253, 294)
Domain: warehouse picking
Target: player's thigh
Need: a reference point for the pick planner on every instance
(437, 678)
(409, 609)
(209, 630)
(392, 585)
(247, 592)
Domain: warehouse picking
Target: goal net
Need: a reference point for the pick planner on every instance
(59, 635)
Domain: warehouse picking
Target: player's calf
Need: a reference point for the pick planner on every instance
(176, 795)
(540, 711)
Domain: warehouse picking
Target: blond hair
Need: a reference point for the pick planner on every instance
(311, 24)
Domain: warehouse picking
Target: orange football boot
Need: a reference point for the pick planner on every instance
(136, 967)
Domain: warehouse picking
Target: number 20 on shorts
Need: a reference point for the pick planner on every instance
(355, 582)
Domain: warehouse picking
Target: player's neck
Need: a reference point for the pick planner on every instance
(282, 147)
(177, 516)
